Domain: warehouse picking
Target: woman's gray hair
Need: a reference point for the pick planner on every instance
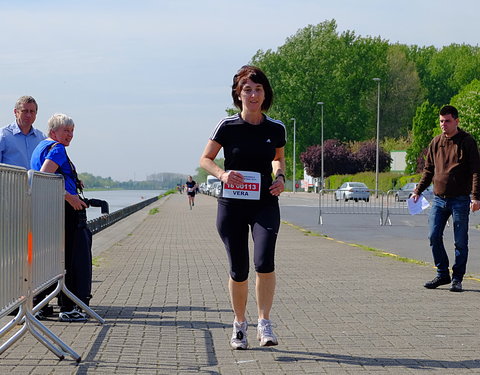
(58, 120)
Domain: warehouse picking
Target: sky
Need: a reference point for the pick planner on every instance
(146, 81)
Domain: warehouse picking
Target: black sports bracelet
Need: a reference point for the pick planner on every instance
(280, 175)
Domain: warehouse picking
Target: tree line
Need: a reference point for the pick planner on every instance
(157, 181)
(318, 64)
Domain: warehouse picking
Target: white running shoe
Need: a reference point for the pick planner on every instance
(239, 336)
(265, 333)
(76, 315)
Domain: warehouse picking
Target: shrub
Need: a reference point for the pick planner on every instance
(342, 159)
(338, 159)
(386, 181)
(367, 155)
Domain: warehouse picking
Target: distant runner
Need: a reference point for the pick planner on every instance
(191, 188)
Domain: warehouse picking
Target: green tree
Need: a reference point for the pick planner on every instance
(421, 57)
(468, 104)
(401, 94)
(424, 127)
(167, 180)
(96, 182)
(319, 65)
(397, 144)
(201, 175)
(88, 179)
(444, 72)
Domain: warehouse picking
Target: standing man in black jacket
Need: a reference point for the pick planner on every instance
(453, 164)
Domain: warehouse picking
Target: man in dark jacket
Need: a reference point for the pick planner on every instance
(453, 164)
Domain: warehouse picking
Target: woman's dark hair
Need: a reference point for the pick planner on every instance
(256, 75)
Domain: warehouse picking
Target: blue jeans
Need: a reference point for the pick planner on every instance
(442, 209)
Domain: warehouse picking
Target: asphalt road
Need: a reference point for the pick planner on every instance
(406, 237)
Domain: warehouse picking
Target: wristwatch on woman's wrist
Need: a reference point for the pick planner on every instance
(280, 175)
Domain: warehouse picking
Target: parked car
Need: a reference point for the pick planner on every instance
(210, 180)
(406, 192)
(353, 190)
(215, 189)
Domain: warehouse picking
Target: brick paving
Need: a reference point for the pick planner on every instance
(161, 286)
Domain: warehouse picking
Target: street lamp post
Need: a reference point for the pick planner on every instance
(321, 170)
(293, 160)
(378, 136)
(321, 142)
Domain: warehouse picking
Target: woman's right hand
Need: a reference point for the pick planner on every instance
(232, 178)
(75, 202)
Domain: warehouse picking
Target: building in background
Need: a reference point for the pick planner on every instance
(398, 161)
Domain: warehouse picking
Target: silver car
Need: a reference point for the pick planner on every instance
(202, 188)
(353, 190)
(406, 192)
(216, 189)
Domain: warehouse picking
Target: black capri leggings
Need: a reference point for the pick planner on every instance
(233, 221)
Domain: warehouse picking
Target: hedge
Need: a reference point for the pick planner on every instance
(386, 181)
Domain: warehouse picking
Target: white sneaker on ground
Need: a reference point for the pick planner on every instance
(265, 333)
(239, 336)
(76, 315)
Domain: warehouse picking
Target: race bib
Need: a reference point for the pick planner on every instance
(249, 189)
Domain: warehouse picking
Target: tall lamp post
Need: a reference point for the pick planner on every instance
(293, 162)
(378, 136)
(321, 142)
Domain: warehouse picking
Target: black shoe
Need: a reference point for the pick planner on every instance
(39, 315)
(44, 312)
(456, 286)
(437, 281)
(48, 310)
(13, 313)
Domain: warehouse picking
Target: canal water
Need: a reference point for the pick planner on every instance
(118, 199)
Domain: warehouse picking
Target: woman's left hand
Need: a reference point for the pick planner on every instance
(278, 186)
(75, 201)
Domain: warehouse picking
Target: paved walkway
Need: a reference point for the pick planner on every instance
(161, 286)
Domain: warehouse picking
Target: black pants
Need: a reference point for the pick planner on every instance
(78, 258)
(234, 217)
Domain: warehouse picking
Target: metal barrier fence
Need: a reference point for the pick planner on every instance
(100, 223)
(365, 203)
(32, 253)
(13, 237)
(395, 206)
(47, 207)
(385, 205)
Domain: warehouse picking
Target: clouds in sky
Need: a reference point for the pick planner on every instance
(146, 81)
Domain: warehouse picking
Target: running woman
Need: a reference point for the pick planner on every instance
(253, 146)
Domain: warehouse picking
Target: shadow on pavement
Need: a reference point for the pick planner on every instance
(410, 363)
(118, 315)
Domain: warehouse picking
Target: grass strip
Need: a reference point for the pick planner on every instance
(154, 211)
(374, 251)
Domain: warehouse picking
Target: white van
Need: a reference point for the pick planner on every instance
(210, 180)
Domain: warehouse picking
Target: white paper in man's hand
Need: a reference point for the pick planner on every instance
(418, 206)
